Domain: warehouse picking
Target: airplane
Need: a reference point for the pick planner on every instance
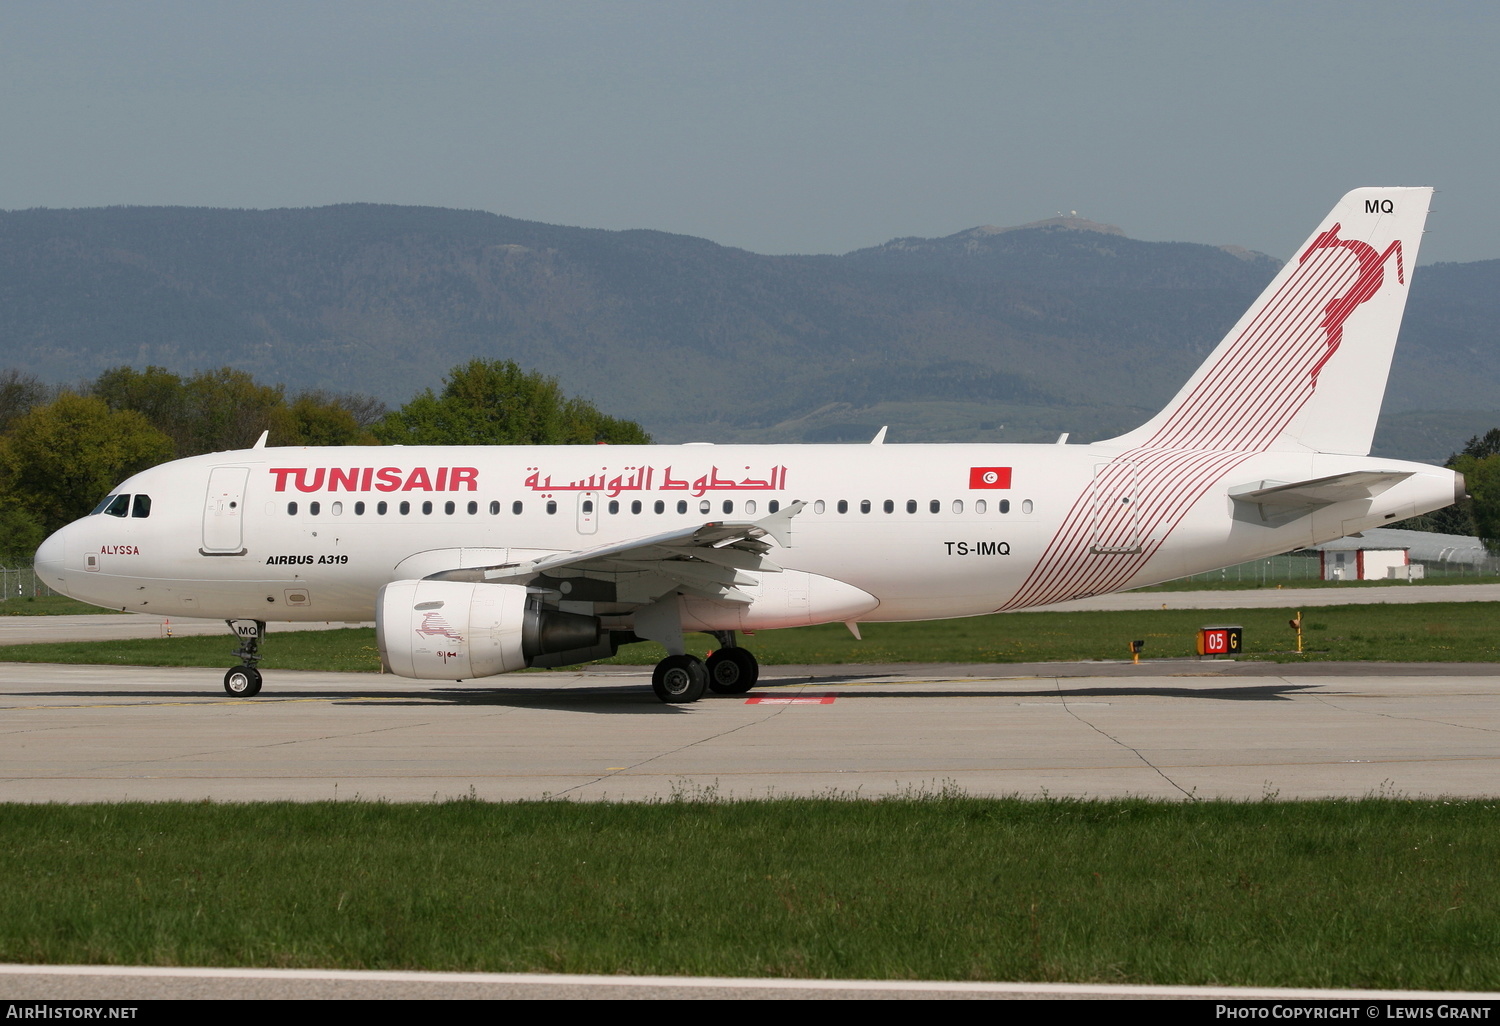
(480, 560)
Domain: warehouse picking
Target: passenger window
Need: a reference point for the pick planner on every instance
(818, 506)
(381, 507)
(1026, 506)
(291, 509)
(704, 506)
(1003, 505)
(515, 508)
(551, 506)
(614, 506)
(118, 507)
(682, 505)
(449, 507)
(405, 507)
(749, 506)
(889, 506)
(661, 507)
(314, 508)
(958, 505)
(142, 506)
(980, 506)
(495, 508)
(843, 505)
(337, 509)
(775, 504)
(935, 506)
(728, 505)
(359, 509)
(427, 508)
(911, 505)
(473, 507)
(635, 507)
(588, 505)
(864, 505)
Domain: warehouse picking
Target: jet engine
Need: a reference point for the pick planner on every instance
(454, 630)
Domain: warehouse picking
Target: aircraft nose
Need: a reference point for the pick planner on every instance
(49, 561)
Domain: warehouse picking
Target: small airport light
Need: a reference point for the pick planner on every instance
(1135, 650)
(1296, 624)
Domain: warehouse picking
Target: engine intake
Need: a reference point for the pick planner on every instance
(456, 630)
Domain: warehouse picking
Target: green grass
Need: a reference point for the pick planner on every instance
(47, 605)
(1372, 893)
(1255, 584)
(1435, 632)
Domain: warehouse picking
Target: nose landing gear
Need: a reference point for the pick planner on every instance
(243, 681)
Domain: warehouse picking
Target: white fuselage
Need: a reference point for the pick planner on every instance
(298, 534)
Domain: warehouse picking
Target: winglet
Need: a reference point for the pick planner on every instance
(260, 443)
(879, 438)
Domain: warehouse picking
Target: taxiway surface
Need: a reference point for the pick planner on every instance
(1169, 729)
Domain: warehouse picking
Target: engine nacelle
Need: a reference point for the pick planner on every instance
(455, 630)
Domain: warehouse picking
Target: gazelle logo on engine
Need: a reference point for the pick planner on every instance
(434, 626)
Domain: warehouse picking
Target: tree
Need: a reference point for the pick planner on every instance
(228, 409)
(1480, 446)
(498, 403)
(20, 393)
(1482, 479)
(1478, 515)
(20, 534)
(321, 419)
(59, 460)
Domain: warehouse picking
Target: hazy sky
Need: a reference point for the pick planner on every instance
(780, 127)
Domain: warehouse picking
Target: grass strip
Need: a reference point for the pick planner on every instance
(1425, 632)
(47, 605)
(1373, 893)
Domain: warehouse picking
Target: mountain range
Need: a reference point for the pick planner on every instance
(990, 334)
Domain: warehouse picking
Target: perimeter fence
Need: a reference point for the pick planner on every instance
(21, 582)
(1304, 565)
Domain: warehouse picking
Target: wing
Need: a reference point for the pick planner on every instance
(708, 560)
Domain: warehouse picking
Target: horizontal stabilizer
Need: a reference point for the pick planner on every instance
(1279, 502)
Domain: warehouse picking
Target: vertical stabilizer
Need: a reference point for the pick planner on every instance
(1304, 370)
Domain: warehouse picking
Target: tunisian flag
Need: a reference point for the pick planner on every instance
(989, 477)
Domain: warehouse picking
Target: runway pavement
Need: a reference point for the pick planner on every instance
(83, 983)
(1170, 729)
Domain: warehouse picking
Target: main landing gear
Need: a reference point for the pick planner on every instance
(243, 681)
(730, 670)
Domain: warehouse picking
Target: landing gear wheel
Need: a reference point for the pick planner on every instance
(732, 671)
(679, 678)
(242, 682)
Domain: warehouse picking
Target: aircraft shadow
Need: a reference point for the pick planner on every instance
(636, 698)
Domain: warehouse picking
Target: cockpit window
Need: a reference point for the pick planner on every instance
(142, 506)
(116, 506)
(104, 502)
